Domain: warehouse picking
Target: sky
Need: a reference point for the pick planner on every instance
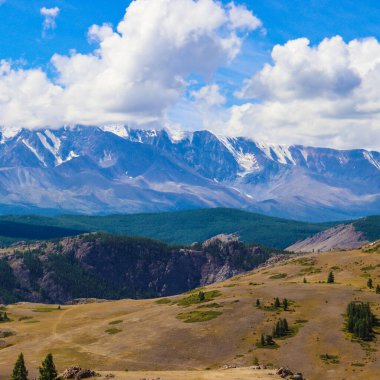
(288, 72)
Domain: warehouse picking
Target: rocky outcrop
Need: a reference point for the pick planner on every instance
(343, 236)
(106, 266)
(78, 373)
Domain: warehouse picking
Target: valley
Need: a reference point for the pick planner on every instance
(188, 333)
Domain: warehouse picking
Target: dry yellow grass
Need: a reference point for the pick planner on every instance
(148, 336)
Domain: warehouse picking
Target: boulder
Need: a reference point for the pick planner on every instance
(284, 372)
(76, 372)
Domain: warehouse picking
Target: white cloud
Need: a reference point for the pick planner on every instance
(209, 95)
(50, 15)
(137, 70)
(326, 95)
(241, 18)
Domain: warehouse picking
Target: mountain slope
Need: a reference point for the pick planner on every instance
(117, 169)
(152, 335)
(114, 267)
(343, 236)
(186, 227)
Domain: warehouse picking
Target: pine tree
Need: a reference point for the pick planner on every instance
(285, 303)
(277, 303)
(48, 370)
(369, 283)
(304, 280)
(269, 340)
(201, 296)
(19, 371)
(257, 302)
(286, 326)
(378, 289)
(331, 278)
(262, 341)
(360, 320)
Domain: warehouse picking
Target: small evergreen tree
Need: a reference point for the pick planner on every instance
(262, 340)
(277, 303)
(257, 302)
(48, 370)
(304, 280)
(4, 317)
(370, 283)
(19, 371)
(378, 289)
(269, 340)
(331, 278)
(255, 361)
(285, 304)
(281, 328)
(201, 296)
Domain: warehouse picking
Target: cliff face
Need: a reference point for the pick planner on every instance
(112, 267)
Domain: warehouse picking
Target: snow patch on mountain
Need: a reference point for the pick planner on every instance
(34, 151)
(369, 157)
(8, 133)
(118, 129)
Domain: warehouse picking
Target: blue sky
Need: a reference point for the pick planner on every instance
(20, 27)
(24, 42)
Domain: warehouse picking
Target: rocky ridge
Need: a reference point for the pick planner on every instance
(113, 267)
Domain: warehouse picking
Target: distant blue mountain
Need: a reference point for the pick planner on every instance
(116, 169)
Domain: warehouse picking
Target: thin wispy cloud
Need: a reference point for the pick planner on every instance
(50, 15)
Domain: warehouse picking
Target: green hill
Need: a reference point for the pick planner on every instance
(13, 231)
(370, 226)
(185, 227)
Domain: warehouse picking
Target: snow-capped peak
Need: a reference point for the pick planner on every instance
(120, 130)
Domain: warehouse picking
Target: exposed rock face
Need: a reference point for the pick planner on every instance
(77, 373)
(343, 236)
(111, 267)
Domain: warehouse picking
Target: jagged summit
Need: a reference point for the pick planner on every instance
(115, 169)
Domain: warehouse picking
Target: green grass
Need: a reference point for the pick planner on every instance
(163, 301)
(6, 333)
(310, 270)
(199, 316)
(329, 359)
(267, 346)
(113, 331)
(193, 299)
(278, 276)
(181, 227)
(214, 305)
(45, 309)
(118, 321)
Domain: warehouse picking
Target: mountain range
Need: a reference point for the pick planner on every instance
(116, 169)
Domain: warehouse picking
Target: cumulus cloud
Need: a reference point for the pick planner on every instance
(135, 71)
(326, 95)
(209, 95)
(50, 15)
